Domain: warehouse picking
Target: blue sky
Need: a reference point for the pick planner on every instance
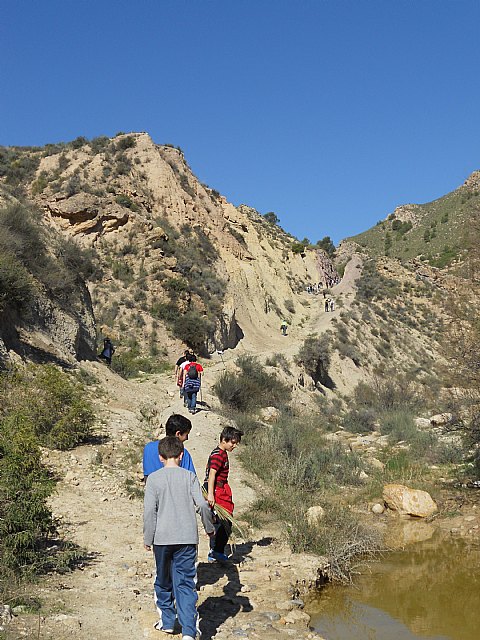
(328, 112)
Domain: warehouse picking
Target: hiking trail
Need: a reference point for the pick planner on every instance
(111, 595)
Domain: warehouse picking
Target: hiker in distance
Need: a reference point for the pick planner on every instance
(219, 492)
(284, 327)
(178, 426)
(172, 496)
(190, 375)
(107, 351)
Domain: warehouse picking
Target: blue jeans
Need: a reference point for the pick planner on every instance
(191, 399)
(175, 586)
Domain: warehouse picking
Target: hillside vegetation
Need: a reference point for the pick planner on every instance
(438, 232)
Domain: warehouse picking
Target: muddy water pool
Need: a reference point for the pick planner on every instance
(429, 590)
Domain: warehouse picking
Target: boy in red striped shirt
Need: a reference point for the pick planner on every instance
(218, 489)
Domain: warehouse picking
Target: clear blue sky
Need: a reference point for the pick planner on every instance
(328, 112)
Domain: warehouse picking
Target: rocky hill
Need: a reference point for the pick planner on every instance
(176, 263)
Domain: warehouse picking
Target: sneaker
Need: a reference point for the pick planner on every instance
(158, 627)
(216, 556)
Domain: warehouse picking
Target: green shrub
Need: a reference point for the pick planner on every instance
(314, 356)
(271, 217)
(278, 360)
(360, 420)
(327, 245)
(124, 201)
(128, 142)
(374, 286)
(54, 404)
(26, 522)
(193, 329)
(16, 285)
(251, 388)
(129, 363)
(298, 248)
(122, 271)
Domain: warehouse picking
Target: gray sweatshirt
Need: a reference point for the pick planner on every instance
(172, 495)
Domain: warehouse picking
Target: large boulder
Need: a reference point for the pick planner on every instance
(406, 501)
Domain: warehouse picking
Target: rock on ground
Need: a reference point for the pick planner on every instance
(409, 501)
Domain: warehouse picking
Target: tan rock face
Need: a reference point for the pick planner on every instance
(409, 501)
(152, 225)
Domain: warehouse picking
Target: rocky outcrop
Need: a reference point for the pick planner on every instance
(50, 331)
(407, 501)
(85, 213)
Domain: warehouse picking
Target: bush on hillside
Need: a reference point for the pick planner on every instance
(372, 285)
(27, 254)
(314, 357)
(52, 402)
(129, 364)
(40, 405)
(25, 519)
(16, 285)
(250, 388)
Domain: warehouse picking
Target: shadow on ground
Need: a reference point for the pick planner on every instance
(215, 610)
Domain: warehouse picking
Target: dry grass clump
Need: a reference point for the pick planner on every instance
(340, 536)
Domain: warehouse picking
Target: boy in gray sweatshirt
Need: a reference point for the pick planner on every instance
(172, 495)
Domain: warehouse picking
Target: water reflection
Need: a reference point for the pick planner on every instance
(431, 590)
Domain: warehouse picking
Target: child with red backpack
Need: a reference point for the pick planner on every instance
(191, 378)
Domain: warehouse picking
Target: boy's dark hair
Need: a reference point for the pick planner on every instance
(170, 447)
(177, 422)
(231, 433)
(192, 357)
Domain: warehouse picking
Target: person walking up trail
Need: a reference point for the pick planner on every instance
(284, 327)
(218, 490)
(191, 379)
(179, 427)
(172, 496)
(178, 363)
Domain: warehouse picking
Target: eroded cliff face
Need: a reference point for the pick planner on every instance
(51, 319)
(171, 247)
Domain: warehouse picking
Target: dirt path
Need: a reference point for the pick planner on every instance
(112, 595)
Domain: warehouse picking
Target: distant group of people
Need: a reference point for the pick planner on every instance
(319, 287)
(314, 288)
(172, 496)
(329, 304)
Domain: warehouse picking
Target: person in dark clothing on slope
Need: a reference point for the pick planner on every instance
(107, 351)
